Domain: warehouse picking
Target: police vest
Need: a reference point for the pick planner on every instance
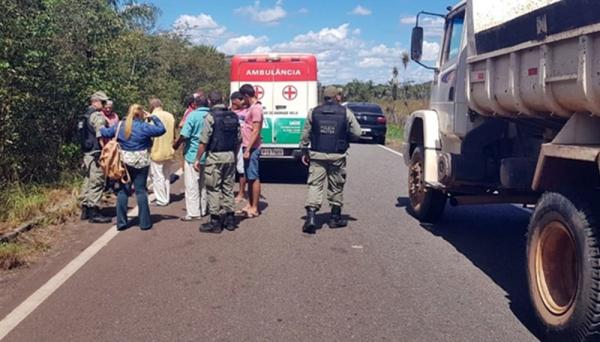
(225, 131)
(329, 129)
(87, 133)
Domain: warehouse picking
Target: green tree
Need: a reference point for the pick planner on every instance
(55, 53)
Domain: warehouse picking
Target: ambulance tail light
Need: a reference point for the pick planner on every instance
(381, 120)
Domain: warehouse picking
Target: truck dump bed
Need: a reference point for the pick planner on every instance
(536, 58)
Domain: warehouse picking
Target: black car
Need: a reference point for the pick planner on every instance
(371, 119)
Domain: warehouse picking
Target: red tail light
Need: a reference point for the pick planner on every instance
(381, 120)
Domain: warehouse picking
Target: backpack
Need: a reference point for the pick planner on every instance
(87, 138)
(110, 160)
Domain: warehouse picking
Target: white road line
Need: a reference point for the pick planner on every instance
(390, 150)
(24, 309)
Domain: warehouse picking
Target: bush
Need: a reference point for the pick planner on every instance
(54, 54)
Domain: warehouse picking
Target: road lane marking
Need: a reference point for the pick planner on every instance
(390, 150)
(15, 317)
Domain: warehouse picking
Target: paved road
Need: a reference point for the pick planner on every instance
(383, 278)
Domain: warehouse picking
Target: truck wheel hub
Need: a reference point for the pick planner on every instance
(556, 268)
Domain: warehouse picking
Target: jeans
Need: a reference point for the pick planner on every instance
(139, 178)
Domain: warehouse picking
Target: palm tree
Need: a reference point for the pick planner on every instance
(394, 83)
(405, 59)
(394, 86)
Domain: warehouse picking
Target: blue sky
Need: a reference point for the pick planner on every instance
(352, 39)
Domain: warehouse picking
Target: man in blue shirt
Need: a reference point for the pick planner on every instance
(195, 191)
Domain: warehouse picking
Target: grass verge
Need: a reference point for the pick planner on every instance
(23, 203)
(394, 136)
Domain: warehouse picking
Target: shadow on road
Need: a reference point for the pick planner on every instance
(177, 197)
(283, 171)
(154, 218)
(493, 239)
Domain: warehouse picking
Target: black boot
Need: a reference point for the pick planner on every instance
(215, 225)
(85, 213)
(229, 223)
(94, 216)
(310, 223)
(336, 220)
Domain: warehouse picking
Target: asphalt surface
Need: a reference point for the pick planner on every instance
(385, 277)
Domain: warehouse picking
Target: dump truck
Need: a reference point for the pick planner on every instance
(514, 117)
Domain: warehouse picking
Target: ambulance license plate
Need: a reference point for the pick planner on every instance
(365, 131)
(272, 152)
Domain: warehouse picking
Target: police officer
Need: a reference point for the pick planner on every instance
(221, 140)
(91, 145)
(328, 130)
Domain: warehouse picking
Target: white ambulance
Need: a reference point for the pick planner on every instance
(286, 85)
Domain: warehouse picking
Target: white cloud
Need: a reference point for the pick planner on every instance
(432, 26)
(234, 45)
(200, 29)
(408, 20)
(303, 10)
(342, 56)
(264, 15)
(262, 49)
(430, 51)
(371, 62)
(359, 10)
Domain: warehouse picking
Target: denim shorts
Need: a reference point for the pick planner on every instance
(251, 166)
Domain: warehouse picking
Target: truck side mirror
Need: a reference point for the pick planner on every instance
(416, 44)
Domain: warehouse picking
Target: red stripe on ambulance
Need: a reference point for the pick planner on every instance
(259, 68)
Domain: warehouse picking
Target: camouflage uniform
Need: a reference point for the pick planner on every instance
(219, 172)
(327, 169)
(93, 184)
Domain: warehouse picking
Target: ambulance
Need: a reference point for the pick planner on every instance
(286, 85)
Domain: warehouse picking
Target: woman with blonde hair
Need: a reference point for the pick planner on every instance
(134, 136)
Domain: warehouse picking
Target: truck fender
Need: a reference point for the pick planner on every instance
(422, 129)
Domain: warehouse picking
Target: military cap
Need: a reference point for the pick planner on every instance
(99, 95)
(330, 91)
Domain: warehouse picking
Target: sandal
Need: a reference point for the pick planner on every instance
(250, 215)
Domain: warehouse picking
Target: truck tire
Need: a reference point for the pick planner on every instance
(380, 140)
(426, 204)
(563, 267)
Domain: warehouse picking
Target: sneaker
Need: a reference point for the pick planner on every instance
(188, 218)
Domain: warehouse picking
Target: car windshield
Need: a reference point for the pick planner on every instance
(366, 109)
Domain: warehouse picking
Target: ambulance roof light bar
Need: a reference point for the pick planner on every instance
(273, 57)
